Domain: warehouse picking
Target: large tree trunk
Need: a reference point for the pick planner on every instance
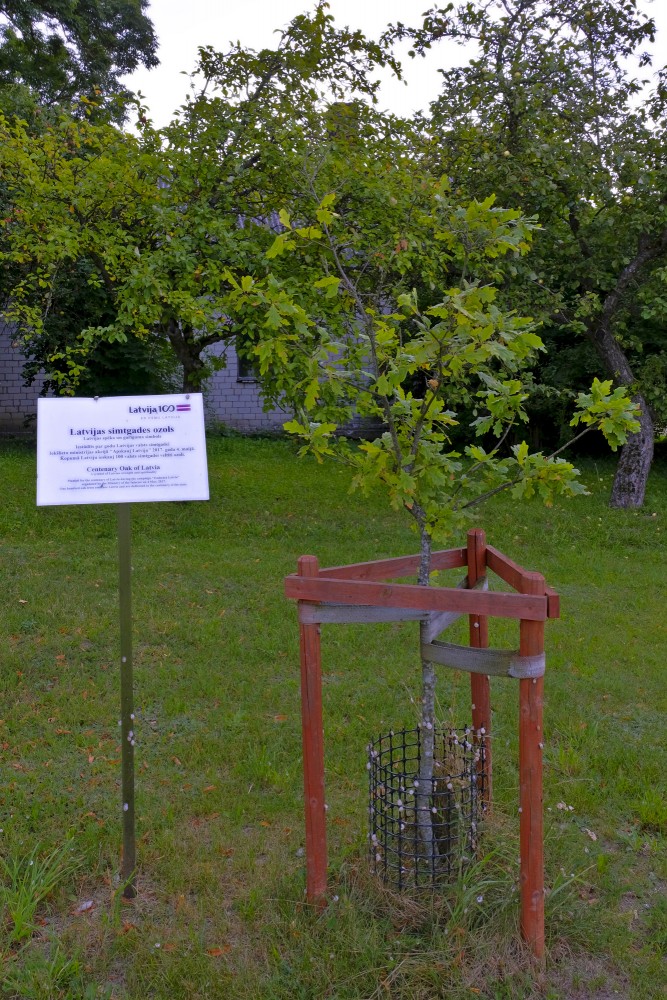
(634, 464)
(636, 456)
(188, 351)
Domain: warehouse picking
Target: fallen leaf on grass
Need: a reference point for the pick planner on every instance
(217, 952)
(279, 718)
(127, 927)
(264, 822)
(209, 788)
(169, 946)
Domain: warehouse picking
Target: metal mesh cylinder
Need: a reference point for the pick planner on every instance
(423, 830)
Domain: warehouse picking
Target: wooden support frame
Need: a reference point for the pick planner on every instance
(360, 593)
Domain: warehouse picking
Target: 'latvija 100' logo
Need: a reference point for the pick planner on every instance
(162, 408)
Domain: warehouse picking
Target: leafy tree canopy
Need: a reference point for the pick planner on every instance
(60, 49)
(161, 219)
(546, 115)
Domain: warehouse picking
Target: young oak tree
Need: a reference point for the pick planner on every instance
(421, 370)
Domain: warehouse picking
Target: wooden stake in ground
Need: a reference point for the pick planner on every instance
(480, 687)
(313, 751)
(531, 742)
(128, 863)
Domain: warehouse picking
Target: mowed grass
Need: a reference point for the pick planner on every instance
(221, 910)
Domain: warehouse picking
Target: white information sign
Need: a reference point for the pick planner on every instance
(121, 449)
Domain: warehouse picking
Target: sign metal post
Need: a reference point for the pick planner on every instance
(128, 864)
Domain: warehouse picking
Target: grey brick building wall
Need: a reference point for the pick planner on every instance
(18, 402)
(229, 398)
(235, 400)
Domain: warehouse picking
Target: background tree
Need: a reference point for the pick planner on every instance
(62, 49)
(547, 116)
(111, 368)
(51, 54)
(161, 220)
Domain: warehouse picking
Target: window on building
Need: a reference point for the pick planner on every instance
(245, 370)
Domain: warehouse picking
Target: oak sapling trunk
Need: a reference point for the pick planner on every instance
(427, 717)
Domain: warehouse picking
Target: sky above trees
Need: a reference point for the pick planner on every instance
(181, 29)
(253, 24)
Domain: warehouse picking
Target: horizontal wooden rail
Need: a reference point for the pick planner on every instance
(388, 569)
(505, 568)
(401, 595)
(516, 575)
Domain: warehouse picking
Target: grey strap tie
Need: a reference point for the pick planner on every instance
(493, 662)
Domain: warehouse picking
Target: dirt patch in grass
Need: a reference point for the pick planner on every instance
(579, 976)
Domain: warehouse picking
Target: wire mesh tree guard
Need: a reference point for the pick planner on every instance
(399, 851)
(360, 593)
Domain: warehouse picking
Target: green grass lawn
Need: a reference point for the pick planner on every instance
(221, 910)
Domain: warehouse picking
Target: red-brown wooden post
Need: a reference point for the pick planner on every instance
(480, 686)
(531, 741)
(312, 733)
